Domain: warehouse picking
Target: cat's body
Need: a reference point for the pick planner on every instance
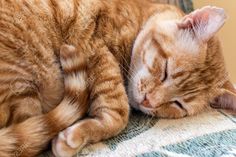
(31, 35)
(33, 31)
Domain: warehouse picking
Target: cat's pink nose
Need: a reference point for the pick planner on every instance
(146, 103)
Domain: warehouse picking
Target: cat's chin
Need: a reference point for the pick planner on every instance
(136, 105)
(148, 111)
(143, 109)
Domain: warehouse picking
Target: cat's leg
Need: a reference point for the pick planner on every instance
(32, 136)
(4, 114)
(21, 101)
(108, 114)
(29, 105)
(171, 111)
(24, 108)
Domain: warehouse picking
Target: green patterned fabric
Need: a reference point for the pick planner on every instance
(209, 134)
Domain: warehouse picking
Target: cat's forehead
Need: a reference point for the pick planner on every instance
(180, 41)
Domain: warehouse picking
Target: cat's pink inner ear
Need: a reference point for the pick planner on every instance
(227, 100)
(204, 22)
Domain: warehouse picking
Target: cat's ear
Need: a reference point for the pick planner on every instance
(227, 98)
(204, 22)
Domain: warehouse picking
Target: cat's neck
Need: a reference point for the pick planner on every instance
(123, 22)
(127, 25)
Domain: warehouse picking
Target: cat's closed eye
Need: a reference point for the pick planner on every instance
(178, 104)
(165, 74)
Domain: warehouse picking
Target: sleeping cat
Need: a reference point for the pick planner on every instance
(176, 69)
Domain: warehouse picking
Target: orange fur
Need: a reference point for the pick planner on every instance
(33, 83)
(182, 69)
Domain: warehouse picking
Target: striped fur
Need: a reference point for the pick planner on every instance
(182, 70)
(44, 90)
(33, 135)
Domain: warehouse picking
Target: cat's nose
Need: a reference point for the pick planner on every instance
(146, 103)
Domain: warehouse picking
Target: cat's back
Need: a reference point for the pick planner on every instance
(29, 41)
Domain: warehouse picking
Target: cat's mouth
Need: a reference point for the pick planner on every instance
(147, 107)
(145, 103)
(147, 110)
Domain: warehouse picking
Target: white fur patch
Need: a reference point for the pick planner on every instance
(65, 139)
(150, 53)
(58, 148)
(186, 42)
(68, 110)
(76, 81)
(67, 7)
(70, 63)
(70, 131)
(135, 85)
(183, 39)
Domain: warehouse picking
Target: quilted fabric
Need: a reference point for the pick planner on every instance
(209, 134)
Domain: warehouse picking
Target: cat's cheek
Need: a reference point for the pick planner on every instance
(147, 110)
(136, 88)
(134, 94)
(172, 111)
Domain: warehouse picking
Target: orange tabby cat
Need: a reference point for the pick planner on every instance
(176, 62)
(177, 69)
(181, 69)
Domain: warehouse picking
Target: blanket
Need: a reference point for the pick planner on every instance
(209, 134)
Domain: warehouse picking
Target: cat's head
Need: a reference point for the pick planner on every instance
(177, 65)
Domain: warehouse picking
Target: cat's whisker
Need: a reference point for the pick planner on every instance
(130, 76)
(127, 63)
(129, 72)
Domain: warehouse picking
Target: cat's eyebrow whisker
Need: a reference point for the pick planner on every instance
(130, 75)
(127, 63)
(129, 72)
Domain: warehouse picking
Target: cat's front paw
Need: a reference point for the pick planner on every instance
(66, 144)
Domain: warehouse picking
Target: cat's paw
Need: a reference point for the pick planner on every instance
(66, 144)
(172, 111)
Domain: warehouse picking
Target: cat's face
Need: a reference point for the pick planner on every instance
(174, 72)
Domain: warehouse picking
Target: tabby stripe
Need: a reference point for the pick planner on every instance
(4, 72)
(73, 69)
(160, 49)
(178, 74)
(6, 13)
(181, 82)
(8, 44)
(103, 89)
(143, 56)
(28, 6)
(187, 100)
(16, 23)
(3, 90)
(9, 25)
(72, 63)
(13, 66)
(54, 6)
(14, 38)
(107, 79)
(115, 95)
